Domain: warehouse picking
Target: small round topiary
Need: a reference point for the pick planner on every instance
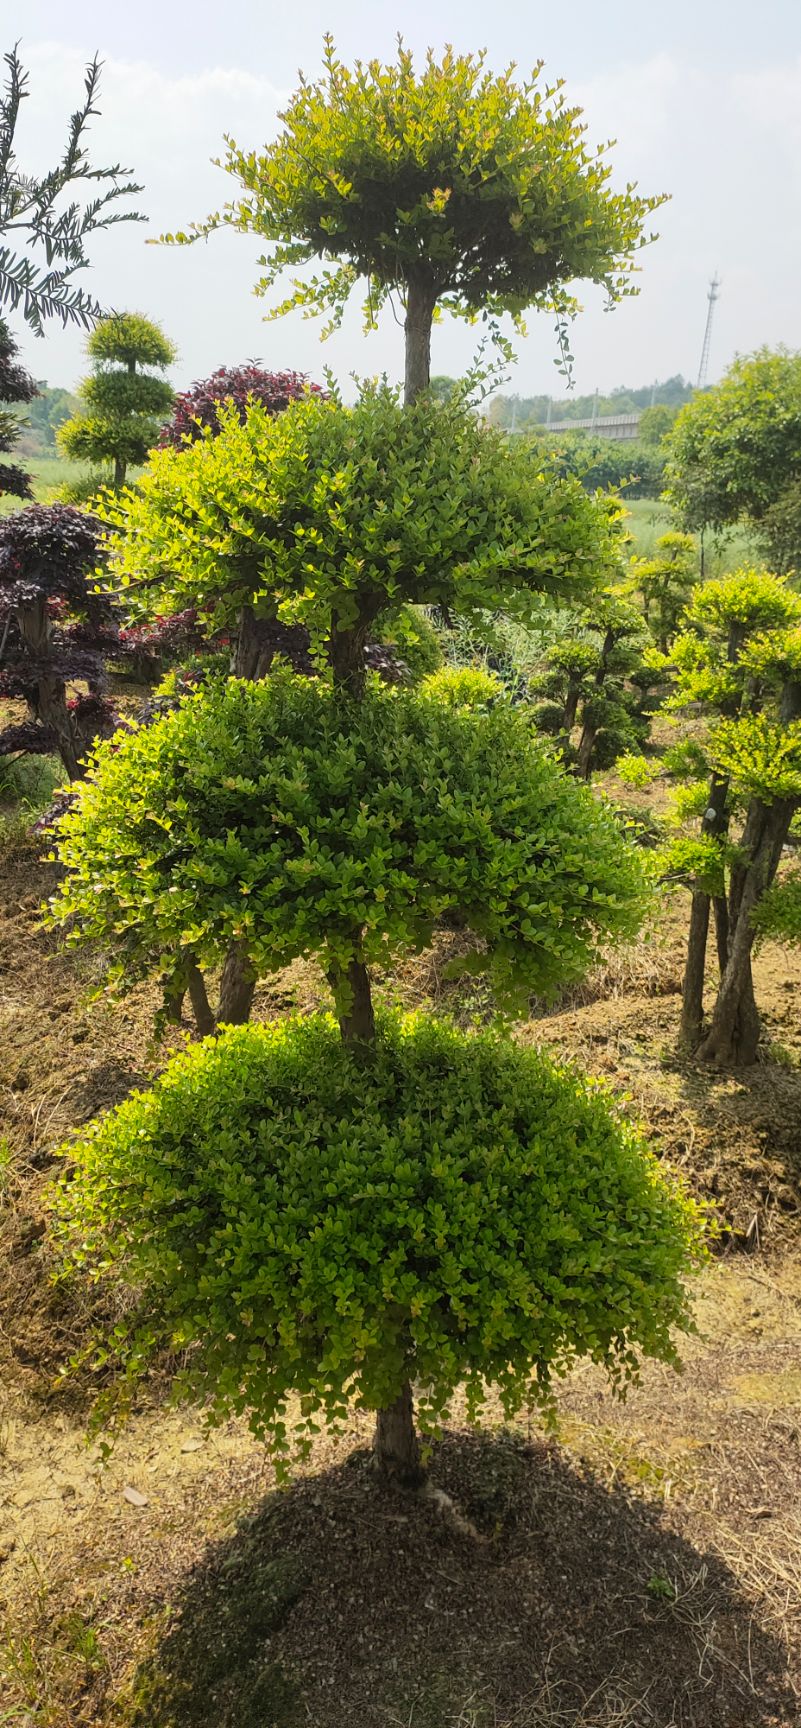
(277, 816)
(317, 1232)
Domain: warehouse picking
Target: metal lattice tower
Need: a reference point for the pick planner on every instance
(712, 296)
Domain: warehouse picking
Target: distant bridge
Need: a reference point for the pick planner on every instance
(603, 426)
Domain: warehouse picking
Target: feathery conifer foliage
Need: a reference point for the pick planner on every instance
(32, 214)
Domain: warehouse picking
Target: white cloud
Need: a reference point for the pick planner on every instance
(727, 146)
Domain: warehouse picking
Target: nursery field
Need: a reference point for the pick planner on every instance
(639, 1567)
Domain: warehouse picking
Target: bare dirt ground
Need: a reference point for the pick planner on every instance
(642, 1569)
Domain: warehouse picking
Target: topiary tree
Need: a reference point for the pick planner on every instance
(16, 385)
(459, 190)
(738, 661)
(342, 820)
(589, 683)
(332, 817)
(53, 631)
(666, 582)
(125, 402)
(198, 408)
(460, 1212)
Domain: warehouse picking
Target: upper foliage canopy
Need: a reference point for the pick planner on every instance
(735, 449)
(476, 188)
(325, 511)
(275, 815)
(458, 1212)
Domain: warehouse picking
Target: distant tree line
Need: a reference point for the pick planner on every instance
(525, 410)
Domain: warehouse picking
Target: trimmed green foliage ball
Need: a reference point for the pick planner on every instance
(457, 1211)
(324, 511)
(278, 815)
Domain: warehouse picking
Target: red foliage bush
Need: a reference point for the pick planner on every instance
(199, 406)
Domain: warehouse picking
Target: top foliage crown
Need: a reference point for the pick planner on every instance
(129, 339)
(479, 189)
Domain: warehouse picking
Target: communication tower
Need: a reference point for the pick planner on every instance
(712, 297)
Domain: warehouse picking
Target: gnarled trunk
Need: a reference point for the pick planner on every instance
(733, 1035)
(346, 652)
(396, 1447)
(201, 1007)
(715, 823)
(50, 701)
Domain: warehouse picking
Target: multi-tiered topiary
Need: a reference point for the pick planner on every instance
(666, 581)
(595, 684)
(125, 399)
(333, 818)
(738, 661)
(338, 1210)
(54, 631)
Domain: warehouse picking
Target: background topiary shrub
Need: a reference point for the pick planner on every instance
(318, 1232)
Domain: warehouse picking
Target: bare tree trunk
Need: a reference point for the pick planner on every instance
(586, 745)
(397, 1452)
(120, 470)
(692, 990)
(715, 823)
(201, 1007)
(354, 1003)
(50, 701)
(571, 707)
(237, 987)
(722, 928)
(420, 302)
(255, 650)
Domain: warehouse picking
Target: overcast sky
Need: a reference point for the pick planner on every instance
(702, 96)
